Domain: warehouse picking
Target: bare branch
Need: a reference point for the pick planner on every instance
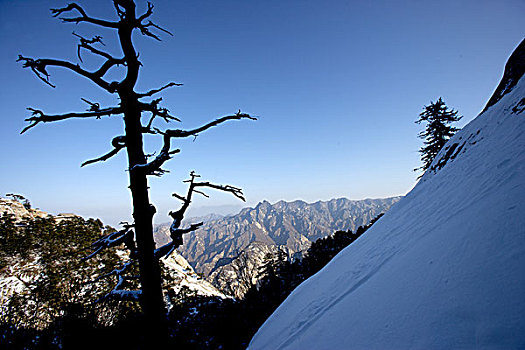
(154, 167)
(121, 295)
(111, 240)
(39, 116)
(145, 30)
(156, 111)
(86, 43)
(155, 91)
(39, 67)
(110, 60)
(119, 292)
(83, 18)
(201, 193)
(118, 143)
(117, 271)
(178, 196)
(93, 106)
(146, 14)
(186, 133)
(176, 235)
(237, 192)
(178, 215)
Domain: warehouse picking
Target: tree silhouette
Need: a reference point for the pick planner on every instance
(133, 106)
(437, 131)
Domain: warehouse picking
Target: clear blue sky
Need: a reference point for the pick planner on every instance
(337, 85)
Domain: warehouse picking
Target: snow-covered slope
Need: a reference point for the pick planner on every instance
(443, 269)
(182, 275)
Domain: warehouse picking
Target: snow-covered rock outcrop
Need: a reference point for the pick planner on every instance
(444, 268)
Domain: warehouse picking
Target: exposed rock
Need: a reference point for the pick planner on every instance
(236, 275)
(19, 211)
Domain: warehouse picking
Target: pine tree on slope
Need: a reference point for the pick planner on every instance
(438, 130)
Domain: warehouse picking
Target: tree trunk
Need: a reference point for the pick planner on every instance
(151, 299)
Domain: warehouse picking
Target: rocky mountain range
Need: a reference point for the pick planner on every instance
(292, 226)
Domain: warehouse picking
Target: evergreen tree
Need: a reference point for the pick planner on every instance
(438, 130)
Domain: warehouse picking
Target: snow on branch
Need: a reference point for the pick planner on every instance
(119, 292)
(117, 272)
(176, 236)
(111, 240)
(83, 16)
(118, 143)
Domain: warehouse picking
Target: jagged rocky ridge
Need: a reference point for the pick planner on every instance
(444, 268)
(291, 226)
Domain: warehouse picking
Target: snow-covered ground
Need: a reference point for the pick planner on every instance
(183, 275)
(443, 269)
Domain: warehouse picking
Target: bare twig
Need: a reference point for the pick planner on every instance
(176, 236)
(86, 43)
(145, 30)
(155, 91)
(154, 167)
(39, 67)
(39, 116)
(156, 111)
(146, 14)
(185, 133)
(178, 215)
(83, 18)
(93, 106)
(118, 143)
(111, 240)
(119, 292)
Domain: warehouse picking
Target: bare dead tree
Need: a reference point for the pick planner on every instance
(133, 106)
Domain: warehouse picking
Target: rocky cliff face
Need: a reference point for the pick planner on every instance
(19, 211)
(236, 275)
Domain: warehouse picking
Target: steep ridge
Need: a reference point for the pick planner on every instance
(444, 268)
(293, 225)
